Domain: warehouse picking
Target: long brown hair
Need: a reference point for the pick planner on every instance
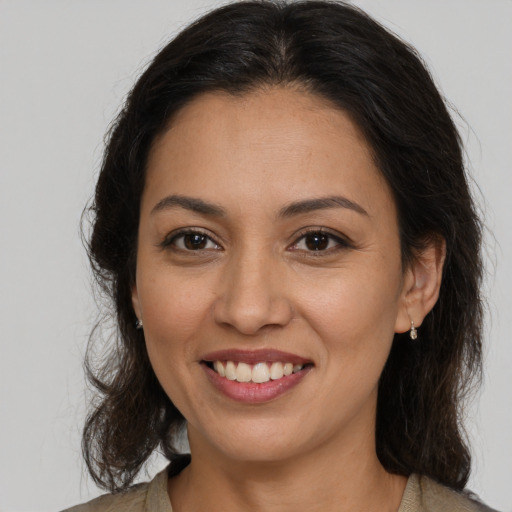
(336, 51)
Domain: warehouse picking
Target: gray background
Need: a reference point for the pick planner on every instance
(65, 67)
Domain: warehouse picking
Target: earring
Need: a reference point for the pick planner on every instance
(138, 324)
(413, 333)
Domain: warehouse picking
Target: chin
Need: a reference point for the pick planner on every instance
(258, 442)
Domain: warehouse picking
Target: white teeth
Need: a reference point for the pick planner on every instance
(288, 369)
(276, 371)
(243, 372)
(219, 368)
(258, 373)
(230, 370)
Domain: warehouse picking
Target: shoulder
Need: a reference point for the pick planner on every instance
(132, 500)
(423, 494)
(150, 496)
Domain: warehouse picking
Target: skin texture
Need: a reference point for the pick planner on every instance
(256, 284)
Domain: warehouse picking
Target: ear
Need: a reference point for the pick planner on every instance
(422, 282)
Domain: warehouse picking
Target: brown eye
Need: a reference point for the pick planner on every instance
(317, 241)
(191, 241)
(195, 241)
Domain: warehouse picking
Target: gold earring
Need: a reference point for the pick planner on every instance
(413, 333)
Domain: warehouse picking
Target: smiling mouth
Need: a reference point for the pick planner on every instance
(257, 373)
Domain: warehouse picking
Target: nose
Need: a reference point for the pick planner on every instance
(253, 296)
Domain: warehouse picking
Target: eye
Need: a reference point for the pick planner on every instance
(191, 241)
(318, 241)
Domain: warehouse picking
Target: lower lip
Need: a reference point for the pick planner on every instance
(251, 392)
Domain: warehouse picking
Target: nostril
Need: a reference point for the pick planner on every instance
(255, 317)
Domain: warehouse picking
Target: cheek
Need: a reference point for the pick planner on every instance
(353, 310)
(354, 318)
(173, 304)
(174, 312)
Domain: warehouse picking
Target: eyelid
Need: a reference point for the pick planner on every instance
(342, 240)
(173, 235)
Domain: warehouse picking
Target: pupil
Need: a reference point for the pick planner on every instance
(195, 241)
(317, 242)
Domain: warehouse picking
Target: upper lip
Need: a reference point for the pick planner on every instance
(255, 356)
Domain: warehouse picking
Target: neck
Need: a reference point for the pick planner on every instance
(325, 479)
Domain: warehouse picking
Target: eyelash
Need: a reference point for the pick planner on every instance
(341, 242)
(170, 240)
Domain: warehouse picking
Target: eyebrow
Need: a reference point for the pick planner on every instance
(296, 208)
(321, 203)
(189, 203)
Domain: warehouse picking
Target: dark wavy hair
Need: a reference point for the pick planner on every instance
(339, 53)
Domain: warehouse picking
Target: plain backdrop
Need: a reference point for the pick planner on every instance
(65, 68)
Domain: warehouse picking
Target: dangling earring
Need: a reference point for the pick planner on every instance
(138, 324)
(413, 333)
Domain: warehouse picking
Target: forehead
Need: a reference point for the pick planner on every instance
(278, 143)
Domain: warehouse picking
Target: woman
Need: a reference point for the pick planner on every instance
(285, 228)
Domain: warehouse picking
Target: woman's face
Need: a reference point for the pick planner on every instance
(267, 240)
